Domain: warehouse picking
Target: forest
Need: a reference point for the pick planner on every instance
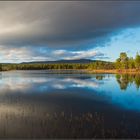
(123, 62)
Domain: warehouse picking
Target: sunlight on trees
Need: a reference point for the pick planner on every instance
(123, 62)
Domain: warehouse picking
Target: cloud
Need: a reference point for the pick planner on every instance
(15, 54)
(61, 23)
(51, 30)
(70, 55)
(20, 54)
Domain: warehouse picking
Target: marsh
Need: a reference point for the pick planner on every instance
(69, 104)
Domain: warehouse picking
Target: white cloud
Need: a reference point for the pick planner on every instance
(25, 54)
(71, 55)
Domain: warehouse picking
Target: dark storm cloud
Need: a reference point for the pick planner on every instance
(55, 23)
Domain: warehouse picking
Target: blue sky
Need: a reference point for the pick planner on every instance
(126, 40)
(46, 31)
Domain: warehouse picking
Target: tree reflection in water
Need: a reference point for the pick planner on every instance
(125, 80)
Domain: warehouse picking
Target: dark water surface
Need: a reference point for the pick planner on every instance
(65, 104)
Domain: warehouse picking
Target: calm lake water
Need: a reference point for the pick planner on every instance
(65, 104)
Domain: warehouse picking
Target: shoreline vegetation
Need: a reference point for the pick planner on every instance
(123, 64)
(115, 71)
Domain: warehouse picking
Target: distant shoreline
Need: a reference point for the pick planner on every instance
(91, 71)
(115, 71)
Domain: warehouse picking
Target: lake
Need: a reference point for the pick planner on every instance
(69, 104)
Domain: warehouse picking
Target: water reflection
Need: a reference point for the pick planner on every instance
(42, 104)
(125, 79)
(45, 82)
(100, 77)
(25, 80)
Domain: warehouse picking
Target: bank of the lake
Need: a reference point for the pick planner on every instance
(91, 71)
(114, 71)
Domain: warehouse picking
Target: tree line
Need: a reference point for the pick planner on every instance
(74, 66)
(123, 62)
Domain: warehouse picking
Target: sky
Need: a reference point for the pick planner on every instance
(54, 30)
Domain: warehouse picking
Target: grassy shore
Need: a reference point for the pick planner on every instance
(108, 71)
(115, 71)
